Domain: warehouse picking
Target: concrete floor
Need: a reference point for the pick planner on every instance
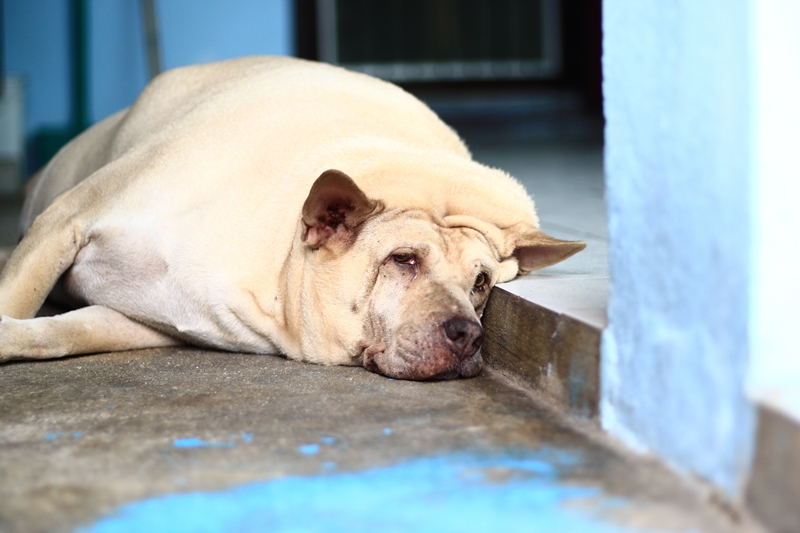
(192, 440)
(260, 443)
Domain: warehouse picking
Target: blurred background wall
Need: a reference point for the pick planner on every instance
(40, 52)
(73, 62)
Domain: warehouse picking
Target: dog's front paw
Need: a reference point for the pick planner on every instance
(8, 343)
(21, 339)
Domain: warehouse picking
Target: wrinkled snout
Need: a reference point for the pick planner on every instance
(441, 347)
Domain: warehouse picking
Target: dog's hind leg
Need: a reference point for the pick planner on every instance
(91, 329)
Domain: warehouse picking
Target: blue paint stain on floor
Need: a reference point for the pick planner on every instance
(198, 443)
(309, 449)
(57, 434)
(464, 493)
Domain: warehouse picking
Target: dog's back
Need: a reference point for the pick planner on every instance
(281, 103)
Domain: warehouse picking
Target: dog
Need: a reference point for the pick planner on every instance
(274, 206)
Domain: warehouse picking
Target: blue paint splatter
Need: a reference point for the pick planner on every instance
(329, 465)
(197, 443)
(309, 449)
(53, 436)
(330, 441)
(247, 437)
(77, 435)
(387, 431)
(467, 493)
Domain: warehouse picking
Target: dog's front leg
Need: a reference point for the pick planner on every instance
(88, 330)
(47, 251)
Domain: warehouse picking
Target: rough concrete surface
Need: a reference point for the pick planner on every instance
(83, 435)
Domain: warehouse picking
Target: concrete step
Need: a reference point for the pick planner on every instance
(544, 329)
(555, 356)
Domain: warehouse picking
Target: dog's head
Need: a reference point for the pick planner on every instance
(402, 291)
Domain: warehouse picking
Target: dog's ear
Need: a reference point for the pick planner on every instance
(334, 208)
(534, 249)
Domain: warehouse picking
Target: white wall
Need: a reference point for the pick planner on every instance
(675, 354)
(775, 285)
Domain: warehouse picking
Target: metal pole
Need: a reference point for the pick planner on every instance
(80, 93)
(151, 38)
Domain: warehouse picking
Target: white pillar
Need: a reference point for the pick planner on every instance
(675, 354)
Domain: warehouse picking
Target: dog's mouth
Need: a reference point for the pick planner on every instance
(450, 373)
(412, 372)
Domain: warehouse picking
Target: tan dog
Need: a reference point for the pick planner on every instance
(271, 205)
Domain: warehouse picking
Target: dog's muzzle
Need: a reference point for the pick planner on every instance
(448, 350)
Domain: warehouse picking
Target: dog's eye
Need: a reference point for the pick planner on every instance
(481, 281)
(405, 259)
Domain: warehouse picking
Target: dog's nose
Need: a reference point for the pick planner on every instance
(463, 336)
